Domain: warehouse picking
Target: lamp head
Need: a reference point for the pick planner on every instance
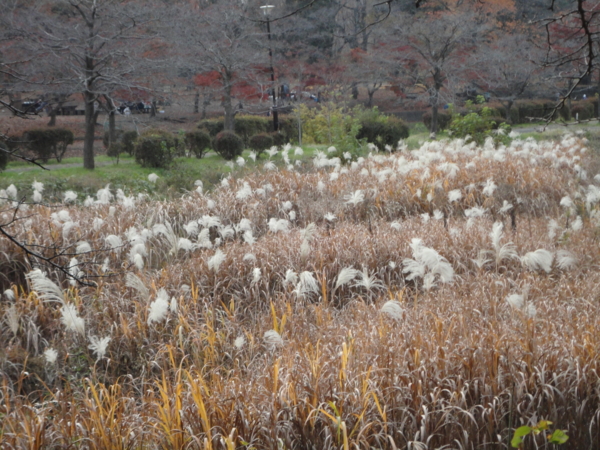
(267, 9)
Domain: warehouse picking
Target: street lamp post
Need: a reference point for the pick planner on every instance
(267, 10)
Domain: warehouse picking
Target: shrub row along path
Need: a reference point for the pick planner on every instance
(532, 129)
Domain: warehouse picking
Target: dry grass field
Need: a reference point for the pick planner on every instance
(433, 299)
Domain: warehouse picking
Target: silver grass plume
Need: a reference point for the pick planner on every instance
(46, 289)
(134, 282)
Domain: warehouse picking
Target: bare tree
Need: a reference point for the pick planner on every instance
(437, 46)
(91, 47)
(224, 44)
(508, 68)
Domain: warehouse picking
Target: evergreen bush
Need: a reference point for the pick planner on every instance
(198, 142)
(155, 148)
(444, 119)
(261, 142)
(48, 142)
(382, 132)
(227, 144)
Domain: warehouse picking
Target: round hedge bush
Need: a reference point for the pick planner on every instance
(383, 132)
(444, 119)
(198, 142)
(260, 142)
(155, 148)
(228, 144)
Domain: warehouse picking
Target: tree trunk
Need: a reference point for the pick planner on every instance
(228, 108)
(52, 121)
(196, 102)
(205, 102)
(90, 128)
(370, 92)
(509, 106)
(434, 119)
(354, 91)
(153, 109)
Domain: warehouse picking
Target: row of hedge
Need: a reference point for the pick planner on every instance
(523, 112)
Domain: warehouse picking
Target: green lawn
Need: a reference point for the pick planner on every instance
(129, 176)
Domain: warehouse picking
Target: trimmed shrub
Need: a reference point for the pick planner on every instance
(46, 143)
(212, 126)
(248, 126)
(288, 125)
(383, 132)
(197, 142)
(229, 145)
(106, 138)
(444, 119)
(279, 138)
(583, 110)
(128, 141)
(155, 148)
(478, 126)
(260, 142)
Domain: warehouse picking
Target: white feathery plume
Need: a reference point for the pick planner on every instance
(46, 289)
(37, 197)
(516, 301)
(12, 319)
(83, 247)
(11, 192)
(276, 225)
(69, 196)
(270, 165)
(9, 294)
(505, 207)
(244, 192)
(566, 202)
(307, 285)
(538, 260)
(185, 245)
(239, 342)
(37, 186)
(50, 356)
(256, 275)
(113, 241)
(272, 340)
(248, 237)
(506, 251)
(396, 225)
(152, 178)
(392, 309)
(489, 188)
(173, 306)
(99, 346)
(355, 198)
(369, 282)
(291, 277)
(308, 232)
(97, 223)
(565, 260)
(346, 275)
(71, 320)
(158, 308)
(553, 226)
(134, 282)
(191, 228)
(292, 215)
(577, 224)
(210, 221)
(304, 249)
(203, 240)
(329, 217)
(216, 260)
(240, 161)
(249, 257)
